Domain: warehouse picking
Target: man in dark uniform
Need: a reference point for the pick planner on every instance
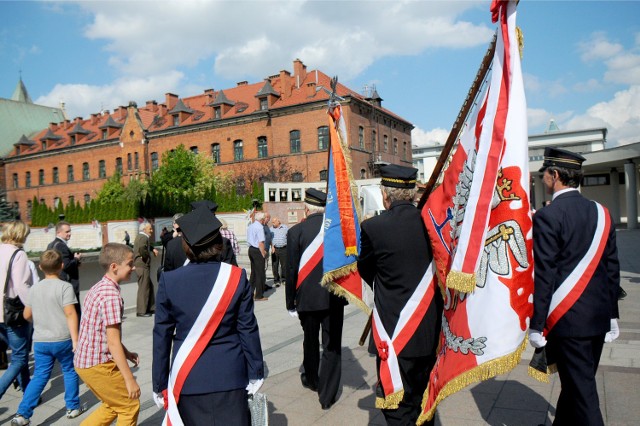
(313, 304)
(174, 256)
(227, 256)
(71, 261)
(142, 251)
(394, 256)
(577, 280)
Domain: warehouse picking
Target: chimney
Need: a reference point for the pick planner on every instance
(53, 126)
(171, 100)
(94, 119)
(285, 83)
(242, 83)
(299, 72)
(311, 89)
(210, 98)
(120, 113)
(152, 106)
(77, 120)
(67, 124)
(162, 109)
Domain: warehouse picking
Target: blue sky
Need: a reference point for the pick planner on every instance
(581, 59)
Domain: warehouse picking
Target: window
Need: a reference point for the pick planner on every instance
(27, 181)
(296, 177)
(374, 141)
(296, 195)
(29, 206)
(41, 177)
(395, 146)
(262, 147)
(15, 180)
(363, 174)
(386, 143)
(44, 145)
(87, 199)
(56, 178)
(56, 202)
(136, 161)
(72, 200)
(284, 194)
(194, 149)
(294, 141)
(72, 139)
(264, 104)
(176, 120)
(361, 137)
(70, 173)
(217, 112)
(238, 153)
(323, 137)
(102, 170)
(323, 174)
(119, 165)
(85, 171)
(154, 161)
(105, 133)
(404, 150)
(215, 152)
(595, 180)
(129, 162)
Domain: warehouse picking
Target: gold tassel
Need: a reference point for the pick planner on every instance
(481, 372)
(351, 251)
(461, 281)
(520, 37)
(390, 402)
(538, 375)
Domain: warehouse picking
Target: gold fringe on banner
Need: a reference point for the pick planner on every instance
(482, 372)
(538, 375)
(390, 402)
(328, 281)
(461, 281)
(351, 251)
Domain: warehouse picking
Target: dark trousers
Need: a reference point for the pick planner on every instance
(415, 378)
(146, 300)
(279, 264)
(577, 360)
(323, 374)
(258, 278)
(215, 409)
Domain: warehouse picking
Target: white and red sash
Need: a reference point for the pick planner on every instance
(389, 348)
(311, 256)
(573, 286)
(199, 336)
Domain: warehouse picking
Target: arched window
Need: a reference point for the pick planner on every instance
(238, 151)
(323, 137)
(154, 161)
(374, 141)
(87, 199)
(15, 180)
(85, 171)
(41, 177)
(294, 141)
(27, 182)
(102, 169)
(129, 161)
(386, 143)
(323, 174)
(136, 161)
(119, 165)
(70, 177)
(404, 150)
(215, 152)
(263, 151)
(361, 137)
(395, 146)
(56, 177)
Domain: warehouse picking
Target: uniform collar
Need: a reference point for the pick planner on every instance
(562, 191)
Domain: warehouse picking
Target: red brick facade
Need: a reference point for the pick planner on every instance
(267, 111)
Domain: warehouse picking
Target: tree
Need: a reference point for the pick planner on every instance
(7, 210)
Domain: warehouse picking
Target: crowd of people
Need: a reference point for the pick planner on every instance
(207, 355)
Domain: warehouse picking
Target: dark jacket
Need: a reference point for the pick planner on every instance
(394, 256)
(70, 271)
(174, 256)
(562, 234)
(234, 354)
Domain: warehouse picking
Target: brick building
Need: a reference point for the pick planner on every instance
(251, 130)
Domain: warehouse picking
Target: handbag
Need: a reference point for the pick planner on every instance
(13, 306)
(259, 410)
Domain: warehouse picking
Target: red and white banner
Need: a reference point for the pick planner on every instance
(199, 337)
(479, 223)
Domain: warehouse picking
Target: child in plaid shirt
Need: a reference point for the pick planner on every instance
(101, 358)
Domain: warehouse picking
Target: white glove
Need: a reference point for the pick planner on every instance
(293, 314)
(536, 339)
(614, 333)
(254, 385)
(159, 400)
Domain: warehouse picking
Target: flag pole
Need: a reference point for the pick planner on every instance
(460, 119)
(448, 146)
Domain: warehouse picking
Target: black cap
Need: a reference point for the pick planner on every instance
(199, 227)
(315, 197)
(206, 204)
(561, 158)
(398, 176)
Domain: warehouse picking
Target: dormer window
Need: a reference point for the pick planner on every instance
(44, 145)
(72, 140)
(217, 112)
(105, 133)
(176, 120)
(264, 104)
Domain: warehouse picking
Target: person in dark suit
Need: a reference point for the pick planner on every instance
(229, 362)
(394, 256)
(71, 261)
(575, 306)
(174, 256)
(227, 255)
(315, 306)
(142, 251)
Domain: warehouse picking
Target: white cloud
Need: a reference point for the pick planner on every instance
(535, 86)
(431, 137)
(598, 48)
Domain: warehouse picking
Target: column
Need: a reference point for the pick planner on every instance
(615, 195)
(631, 191)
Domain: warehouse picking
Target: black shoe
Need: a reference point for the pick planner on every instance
(144, 315)
(622, 294)
(327, 406)
(306, 384)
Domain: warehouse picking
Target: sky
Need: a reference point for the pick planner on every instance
(581, 59)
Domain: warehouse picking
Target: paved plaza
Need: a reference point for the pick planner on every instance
(510, 399)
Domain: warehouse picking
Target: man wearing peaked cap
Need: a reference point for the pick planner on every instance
(575, 307)
(390, 245)
(228, 256)
(313, 304)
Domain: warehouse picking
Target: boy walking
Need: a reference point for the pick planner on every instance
(101, 358)
(52, 309)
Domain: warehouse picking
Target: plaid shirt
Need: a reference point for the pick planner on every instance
(103, 306)
(229, 235)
